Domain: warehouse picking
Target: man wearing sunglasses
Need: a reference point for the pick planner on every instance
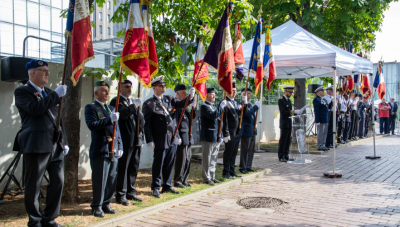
(159, 128)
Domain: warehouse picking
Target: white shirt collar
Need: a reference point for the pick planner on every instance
(285, 97)
(36, 87)
(158, 97)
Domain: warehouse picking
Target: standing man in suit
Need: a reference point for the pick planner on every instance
(392, 115)
(285, 123)
(321, 113)
(183, 152)
(100, 119)
(247, 133)
(347, 124)
(231, 135)
(159, 128)
(210, 117)
(38, 141)
(362, 108)
(128, 163)
(329, 99)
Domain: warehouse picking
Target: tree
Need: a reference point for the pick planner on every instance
(336, 21)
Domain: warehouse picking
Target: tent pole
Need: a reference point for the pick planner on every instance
(333, 174)
(373, 125)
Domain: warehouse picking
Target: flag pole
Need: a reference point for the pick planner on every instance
(191, 123)
(373, 125)
(220, 123)
(255, 119)
(116, 110)
(67, 46)
(138, 117)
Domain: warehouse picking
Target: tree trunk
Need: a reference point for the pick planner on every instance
(299, 93)
(72, 123)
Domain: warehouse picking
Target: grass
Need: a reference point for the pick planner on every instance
(79, 214)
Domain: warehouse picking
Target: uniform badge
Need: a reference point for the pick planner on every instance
(104, 83)
(166, 100)
(40, 63)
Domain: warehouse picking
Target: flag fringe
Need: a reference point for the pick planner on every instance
(79, 67)
(201, 95)
(135, 56)
(136, 75)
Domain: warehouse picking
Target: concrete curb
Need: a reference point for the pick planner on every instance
(114, 222)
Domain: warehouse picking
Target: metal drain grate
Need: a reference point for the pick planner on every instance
(261, 202)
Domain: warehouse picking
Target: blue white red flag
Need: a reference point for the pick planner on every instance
(379, 82)
(269, 60)
(220, 52)
(256, 65)
(238, 52)
(78, 26)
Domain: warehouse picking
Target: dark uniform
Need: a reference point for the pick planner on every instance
(321, 119)
(362, 108)
(342, 108)
(368, 118)
(128, 164)
(285, 124)
(184, 151)
(230, 129)
(42, 151)
(159, 128)
(329, 137)
(104, 165)
(392, 118)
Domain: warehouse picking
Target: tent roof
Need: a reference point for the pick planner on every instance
(300, 54)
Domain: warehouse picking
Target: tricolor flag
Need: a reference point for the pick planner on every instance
(238, 52)
(379, 82)
(220, 52)
(148, 26)
(269, 60)
(358, 80)
(256, 65)
(78, 26)
(202, 76)
(135, 52)
(365, 86)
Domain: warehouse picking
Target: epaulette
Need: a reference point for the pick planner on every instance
(281, 97)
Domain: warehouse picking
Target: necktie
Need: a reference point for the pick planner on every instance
(129, 101)
(44, 95)
(108, 110)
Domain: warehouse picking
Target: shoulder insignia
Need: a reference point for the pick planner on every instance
(281, 97)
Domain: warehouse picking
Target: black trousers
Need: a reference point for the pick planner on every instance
(346, 132)
(163, 165)
(329, 136)
(341, 127)
(246, 152)
(128, 167)
(229, 158)
(35, 167)
(104, 181)
(284, 142)
(354, 124)
(384, 125)
(392, 123)
(367, 120)
(182, 163)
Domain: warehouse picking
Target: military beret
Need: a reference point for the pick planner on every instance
(158, 80)
(126, 82)
(35, 64)
(233, 85)
(210, 90)
(179, 87)
(248, 89)
(321, 88)
(329, 88)
(101, 83)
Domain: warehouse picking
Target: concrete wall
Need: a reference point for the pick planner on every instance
(269, 126)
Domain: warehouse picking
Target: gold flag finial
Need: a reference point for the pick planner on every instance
(260, 11)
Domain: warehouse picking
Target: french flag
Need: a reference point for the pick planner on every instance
(135, 51)
(256, 65)
(269, 60)
(78, 26)
(379, 82)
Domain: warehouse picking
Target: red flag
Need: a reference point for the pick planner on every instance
(238, 52)
(153, 61)
(202, 76)
(365, 85)
(78, 26)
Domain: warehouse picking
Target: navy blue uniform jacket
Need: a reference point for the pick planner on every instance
(321, 110)
(210, 118)
(249, 116)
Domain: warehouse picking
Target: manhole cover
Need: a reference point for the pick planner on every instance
(261, 202)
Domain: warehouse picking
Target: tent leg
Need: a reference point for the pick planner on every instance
(373, 128)
(334, 174)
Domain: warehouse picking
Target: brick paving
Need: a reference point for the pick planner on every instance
(367, 195)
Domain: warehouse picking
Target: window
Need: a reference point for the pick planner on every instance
(108, 31)
(100, 29)
(108, 5)
(100, 16)
(108, 18)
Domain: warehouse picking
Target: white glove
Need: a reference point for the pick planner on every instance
(317, 124)
(114, 116)
(119, 153)
(297, 112)
(191, 93)
(240, 107)
(223, 104)
(244, 99)
(61, 90)
(150, 145)
(258, 103)
(193, 104)
(66, 149)
(226, 139)
(137, 102)
(177, 141)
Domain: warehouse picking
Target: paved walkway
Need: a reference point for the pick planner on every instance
(367, 195)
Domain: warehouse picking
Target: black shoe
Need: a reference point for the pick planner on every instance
(321, 149)
(282, 160)
(342, 142)
(53, 224)
(235, 175)
(287, 158)
(133, 197)
(243, 171)
(98, 212)
(187, 184)
(209, 182)
(330, 146)
(179, 185)
(122, 201)
(156, 193)
(108, 210)
(216, 181)
(347, 141)
(250, 170)
(227, 176)
(327, 149)
(170, 190)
